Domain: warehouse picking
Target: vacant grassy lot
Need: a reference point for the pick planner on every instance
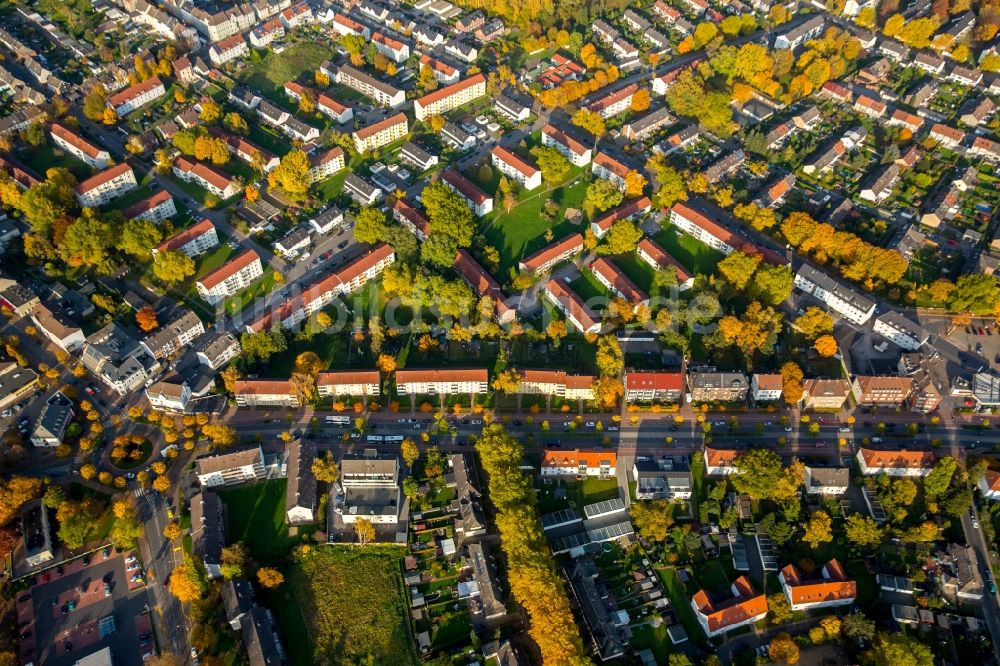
(257, 518)
(270, 75)
(353, 603)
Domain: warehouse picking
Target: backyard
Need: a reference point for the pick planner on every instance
(353, 604)
(257, 518)
(274, 70)
(697, 257)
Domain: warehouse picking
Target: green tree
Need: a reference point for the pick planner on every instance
(553, 165)
(738, 268)
(235, 123)
(590, 121)
(898, 648)
(291, 175)
(78, 521)
(937, 482)
(857, 626)
(760, 474)
(139, 237)
(263, 344)
(653, 519)
(90, 240)
(370, 225)
(772, 284)
(603, 195)
(975, 292)
(819, 530)
(172, 266)
(862, 530)
(621, 238)
(670, 183)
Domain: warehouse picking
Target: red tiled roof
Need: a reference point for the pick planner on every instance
(476, 276)
(949, 132)
(228, 269)
(455, 375)
(204, 171)
(411, 213)
(465, 187)
(371, 130)
(611, 164)
(622, 212)
(183, 238)
(897, 459)
(614, 97)
(365, 262)
(105, 176)
(653, 381)
(748, 604)
(230, 43)
(76, 141)
(324, 157)
(834, 588)
(576, 457)
(565, 139)
(720, 457)
(992, 478)
(330, 103)
(393, 44)
(147, 204)
(132, 92)
(262, 387)
(543, 256)
(663, 259)
(437, 65)
(448, 91)
(619, 281)
(514, 161)
(769, 382)
(575, 305)
(335, 378)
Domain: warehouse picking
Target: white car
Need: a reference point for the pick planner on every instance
(590, 424)
(788, 428)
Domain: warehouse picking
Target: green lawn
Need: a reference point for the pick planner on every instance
(588, 287)
(637, 270)
(257, 518)
(697, 257)
(268, 139)
(353, 603)
(213, 260)
(522, 231)
(680, 601)
(594, 490)
(274, 70)
(330, 188)
(261, 287)
(46, 156)
(655, 638)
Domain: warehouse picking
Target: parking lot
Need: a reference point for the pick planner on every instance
(87, 607)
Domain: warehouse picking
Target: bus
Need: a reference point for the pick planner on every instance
(338, 420)
(373, 438)
(394, 438)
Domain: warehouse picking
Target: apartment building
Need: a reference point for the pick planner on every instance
(712, 386)
(366, 84)
(576, 152)
(118, 359)
(227, 50)
(881, 391)
(483, 284)
(333, 109)
(570, 304)
(265, 393)
(610, 169)
(552, 254)
(343, 25)
(798, 35)
(826, 481)
(699, 223)
(231, 278)
(179, 332)
(516, 168)
(411, 218)
(900, 330)
(895, 463)
(578, 462)
(196, 239)
(829, 589)
(215, 350)
(619, 284)
(445, 381)
(54, 324)
(614, 103)
(298, 14)
(743, 608)
(265, 33)
(417, 157)
(230, 468)
(156, 208)
(558, 383)
(371, 487)
(662, 477)
(134, 97)
(381, 133)
(393, 49)
(450, 97)
(659, 259)
(78, 147)
(949, 137)
(169, 396)
(443, 72)
(348, 279)
(646, 125)
(324, 164)
(654, 386)
(630, 211)
(15, 383)
(348, 383)
(106, 186)
(825, 393)
(208, 177)
(843, 300)
(766, 388)
(53, 421)
(480, 202)
(300, 493)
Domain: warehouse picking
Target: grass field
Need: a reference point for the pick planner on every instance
(44, 157)
(353, 603)
(522, 231)
(257, 518)
(692, 253)
(270, 75)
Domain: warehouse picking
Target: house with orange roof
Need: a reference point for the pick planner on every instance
(651, 385)
(610, 169)
(989, 485)
(577, 312)
(618, 101)
(106, 186)
(576, 152)
(443, 72)
(79, 147)
(133, 97)
(830, 589)
(658, 258)
(155, 209)
(619, 284)
(207, 176)
(895, 463)
(577, 462)
(231, 278)
(196, 239)
(348, 383)
(720, 462)
(381, 133)
(629, 211)
(766, 388)
(393, 49)
(515, 167)
(720, 616)
(483, 284)
(479, 201)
